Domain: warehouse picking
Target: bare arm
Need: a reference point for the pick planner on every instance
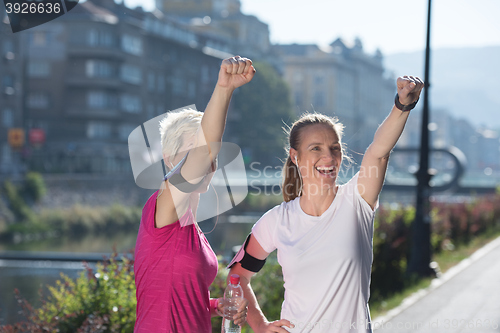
(376, 158)
(255, 317)
(234, 72)
(173, 203)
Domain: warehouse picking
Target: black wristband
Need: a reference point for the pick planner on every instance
(402, 107)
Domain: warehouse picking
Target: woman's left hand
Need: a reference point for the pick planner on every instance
(409, 88)
(241, 316)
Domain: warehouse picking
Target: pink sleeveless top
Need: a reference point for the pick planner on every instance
(174, 267)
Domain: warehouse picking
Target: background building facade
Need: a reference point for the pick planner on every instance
(91, 77)
(340, 81)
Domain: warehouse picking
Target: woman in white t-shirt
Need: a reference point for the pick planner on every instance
(323, 231)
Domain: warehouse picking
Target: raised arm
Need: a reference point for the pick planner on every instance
(234, 72)
(255, 317)
(374, 164)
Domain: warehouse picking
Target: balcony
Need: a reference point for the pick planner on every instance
(97, 51)
(88, 113)
(94, 82)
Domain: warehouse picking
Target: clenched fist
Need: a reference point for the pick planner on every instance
(235, 72)
(409, 88)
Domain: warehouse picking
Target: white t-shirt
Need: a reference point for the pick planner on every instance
(326, 261)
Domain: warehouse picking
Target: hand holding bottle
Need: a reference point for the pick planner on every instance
(234, 306)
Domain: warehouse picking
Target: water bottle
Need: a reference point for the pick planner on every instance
(232, 296)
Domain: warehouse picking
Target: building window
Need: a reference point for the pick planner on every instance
(130, 103)
(319, 79)
(38, 100)
(161, 83)
(100, 100)
(161, 109)
(39, 38)
(298, 77)
(38, 68)
(205, 74)
(151, 111)
(151, 81)
(102, 38)
(7, 118)
(8, 46)
(93, 38)
(106, 38)
(131, 74)
(98, 130)
(98, 68)
(6, 154)
(191, 89)
(125, 130)
(8, 81)
(177, 85)
(132, 44)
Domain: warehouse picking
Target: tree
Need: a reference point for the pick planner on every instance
(260, 108)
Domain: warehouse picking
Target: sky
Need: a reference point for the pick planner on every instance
(393, 26)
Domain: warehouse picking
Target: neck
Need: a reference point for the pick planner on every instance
(315, 204)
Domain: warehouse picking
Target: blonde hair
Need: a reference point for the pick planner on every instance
(292, 182)
(174, 126)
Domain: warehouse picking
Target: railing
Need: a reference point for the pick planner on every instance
(58, 256)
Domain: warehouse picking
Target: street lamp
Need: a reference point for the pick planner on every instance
(420, 255)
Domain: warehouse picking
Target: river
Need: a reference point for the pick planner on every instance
(31, 276)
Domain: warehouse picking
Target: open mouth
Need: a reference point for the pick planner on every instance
(327, 171)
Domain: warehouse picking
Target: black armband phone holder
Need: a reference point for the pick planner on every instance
(246, 260)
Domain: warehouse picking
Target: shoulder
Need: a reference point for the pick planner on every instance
(278, 215)
(282, 210)
(349, 187)
(352, 192)
(264, 230)
(150, 204)
(148, 216)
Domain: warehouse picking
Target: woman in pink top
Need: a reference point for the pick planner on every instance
(174, 263)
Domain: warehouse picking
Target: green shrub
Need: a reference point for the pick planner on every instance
(34, 186)
(22, 212)
(390, 251)
(453, 224)
(6, 215)
(79, 220)
(97, 301)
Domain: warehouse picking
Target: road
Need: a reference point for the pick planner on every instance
(465, 299)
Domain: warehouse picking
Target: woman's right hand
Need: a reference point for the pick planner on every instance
(235, 72)
(276, 326)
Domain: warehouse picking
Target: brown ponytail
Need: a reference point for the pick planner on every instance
(292, 183)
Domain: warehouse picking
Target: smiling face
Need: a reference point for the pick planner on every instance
(319, 156)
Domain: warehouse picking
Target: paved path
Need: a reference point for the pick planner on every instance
(466, 299)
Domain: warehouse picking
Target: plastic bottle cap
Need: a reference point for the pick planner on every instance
(234, 279)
